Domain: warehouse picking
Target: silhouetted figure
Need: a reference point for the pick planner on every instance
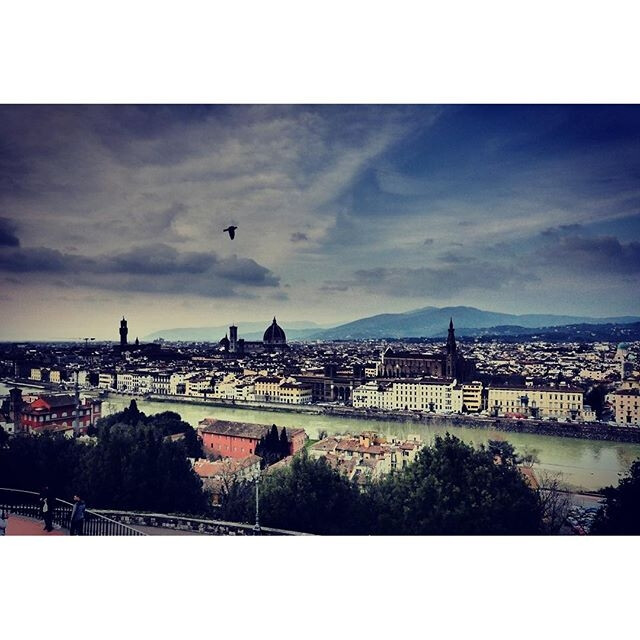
(4, 522)
(231, 230)
(46, 508)
(77, 516)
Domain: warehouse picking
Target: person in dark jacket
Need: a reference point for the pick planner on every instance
(47, 502)
(77, 516)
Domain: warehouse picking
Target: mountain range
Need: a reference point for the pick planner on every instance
(431, 322)
(427, 322)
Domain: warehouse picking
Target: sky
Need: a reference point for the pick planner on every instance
(342, 212)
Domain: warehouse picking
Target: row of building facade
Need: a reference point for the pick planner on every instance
(445, 396)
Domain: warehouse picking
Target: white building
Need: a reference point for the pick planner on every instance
(410, 395)
(373, 395)
(198, 384)
(106, 381)
(177, 384)
(560, 402)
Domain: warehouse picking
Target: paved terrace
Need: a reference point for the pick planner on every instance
(22, 526)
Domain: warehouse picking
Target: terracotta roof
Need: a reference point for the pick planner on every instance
(58, 400)
(328, 444)
(209, 469)
(241, 429)
(281, 464)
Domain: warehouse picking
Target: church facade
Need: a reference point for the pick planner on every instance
(449, 364)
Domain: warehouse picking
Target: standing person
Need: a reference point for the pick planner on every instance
(77, 516)
(4, 521)
(46, 508)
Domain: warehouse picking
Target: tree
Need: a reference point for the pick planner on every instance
(284, 443)
(271, 447)
(310, 496)
(453, 488)
(621, 512)
(595, 398)
(554, 502)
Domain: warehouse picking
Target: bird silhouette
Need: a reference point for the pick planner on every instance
(231, 230)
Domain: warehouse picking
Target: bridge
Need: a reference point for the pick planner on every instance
(25, 518)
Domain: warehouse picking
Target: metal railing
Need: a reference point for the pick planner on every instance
(196, 525)
(26, 503)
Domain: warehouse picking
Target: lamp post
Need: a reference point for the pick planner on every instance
(256, 527)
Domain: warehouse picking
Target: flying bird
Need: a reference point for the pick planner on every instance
(231, 230)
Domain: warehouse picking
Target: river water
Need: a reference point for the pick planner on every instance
(583, 464)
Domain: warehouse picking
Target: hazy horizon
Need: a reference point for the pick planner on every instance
(342, 211)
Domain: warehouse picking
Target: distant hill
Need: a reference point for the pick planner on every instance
(428, 322)
(297, 330)
(619, 332)
(431, 322)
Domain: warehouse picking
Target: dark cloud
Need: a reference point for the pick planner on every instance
(590, 255)
(428, 241)
(453, 258)
(561, 229)
(8, 237)
(334, 287)
(439, 281)
(298, 237)
(150, 268)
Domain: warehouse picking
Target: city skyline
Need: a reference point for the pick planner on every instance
(342, 212)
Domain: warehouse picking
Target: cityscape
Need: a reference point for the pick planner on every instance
(283, 284)
(287, 320)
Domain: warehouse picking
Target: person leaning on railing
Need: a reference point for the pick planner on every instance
(77, 516)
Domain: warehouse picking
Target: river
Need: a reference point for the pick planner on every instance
(583, 464)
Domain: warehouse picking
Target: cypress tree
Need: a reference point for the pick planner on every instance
(284, 443)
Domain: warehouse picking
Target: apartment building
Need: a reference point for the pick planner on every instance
(560, 402)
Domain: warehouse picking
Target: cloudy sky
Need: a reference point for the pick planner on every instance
(342, 212)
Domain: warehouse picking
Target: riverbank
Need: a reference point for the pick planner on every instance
(579, 430)
(584, 464)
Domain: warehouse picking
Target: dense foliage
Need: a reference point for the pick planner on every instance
(273, 447)
(452, 488)
(621, 513)
(310, 496)
(131, 464)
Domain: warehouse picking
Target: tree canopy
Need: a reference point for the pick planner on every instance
(131, 464)
(451, 488)
(621, 512)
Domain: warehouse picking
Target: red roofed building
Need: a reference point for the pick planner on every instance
(239, 439)
(218, 476)
(57, 413)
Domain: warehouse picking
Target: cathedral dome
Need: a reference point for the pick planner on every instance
(224, 343)
(274, 334)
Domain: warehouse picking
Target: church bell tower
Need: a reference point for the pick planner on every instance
(123, 332)
(452, 353)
